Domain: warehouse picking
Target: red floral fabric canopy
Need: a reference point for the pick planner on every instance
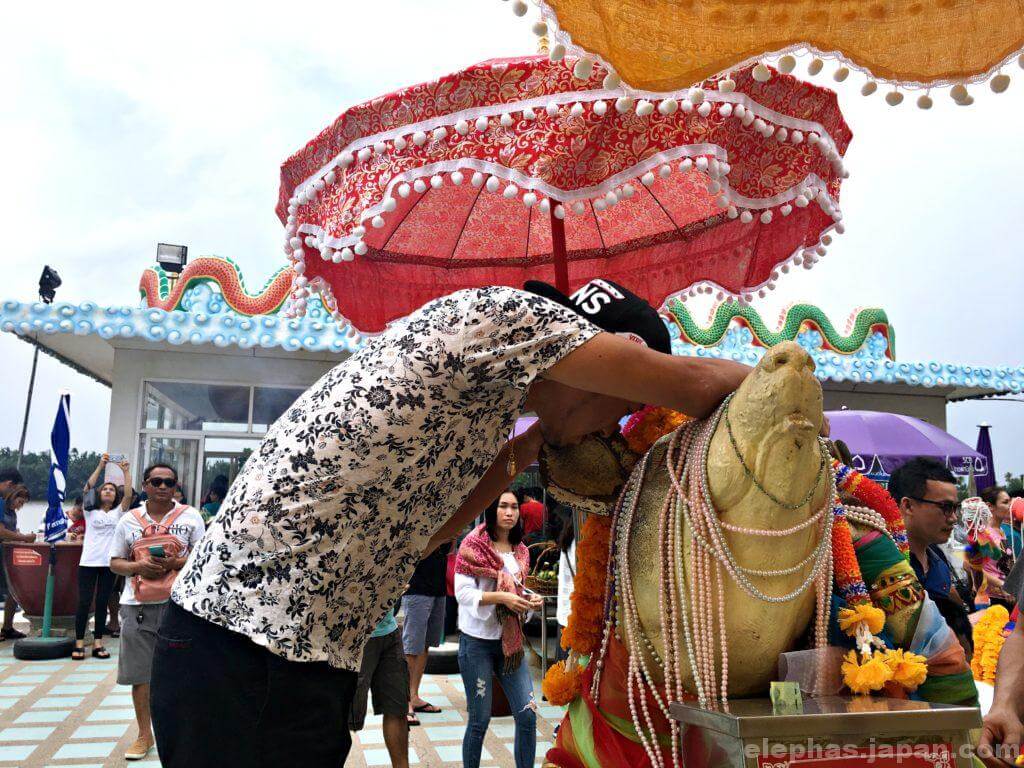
(456, 183)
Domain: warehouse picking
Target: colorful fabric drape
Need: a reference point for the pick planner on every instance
(661, 45)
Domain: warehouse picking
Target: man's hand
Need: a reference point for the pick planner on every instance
(1002, 737)
(169, 563)
(150, 570)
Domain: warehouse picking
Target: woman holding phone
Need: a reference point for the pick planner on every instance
(95, 579)
(489, 572)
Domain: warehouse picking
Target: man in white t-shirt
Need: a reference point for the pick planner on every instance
(139, 620)
(390, 454)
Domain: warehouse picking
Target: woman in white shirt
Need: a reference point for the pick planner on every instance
(566, 579)
(95, 579)
(489, 574)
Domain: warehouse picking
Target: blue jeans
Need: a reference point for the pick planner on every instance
(479, 662)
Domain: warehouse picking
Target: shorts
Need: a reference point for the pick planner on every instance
(138, 639)
(424, 623)
(385, 674)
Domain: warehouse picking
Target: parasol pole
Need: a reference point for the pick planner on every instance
(558, 250)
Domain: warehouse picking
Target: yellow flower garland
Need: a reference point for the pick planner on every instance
(989, 636)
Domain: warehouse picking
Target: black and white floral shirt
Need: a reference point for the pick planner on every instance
(324, 525)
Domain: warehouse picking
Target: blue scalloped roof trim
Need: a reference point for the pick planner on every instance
(205, 323)
(868, 365)
(208, 320)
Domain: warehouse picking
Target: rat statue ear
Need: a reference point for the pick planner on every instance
(587, 476)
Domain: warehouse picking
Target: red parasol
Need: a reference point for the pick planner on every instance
(518, 169)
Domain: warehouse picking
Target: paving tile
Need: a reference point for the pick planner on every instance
(44, 716)
(86, 677)
(503, 730)
(57, 702)
(453, 754)
(71, 690)
(445, 732)
(16, 690)
(26, 679)
(102, 715)
(85, 749)
(8, 703)
(447, 716)
(114, 731)
(117, 700)
(381, 757)
(428, 688)
(551, 713)
(15, 754)
(81, 765)
(38, 733)
(370, 737)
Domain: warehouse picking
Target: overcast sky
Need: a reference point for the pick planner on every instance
(125, 124)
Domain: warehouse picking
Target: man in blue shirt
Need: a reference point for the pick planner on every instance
(385, 674)
(926, 493)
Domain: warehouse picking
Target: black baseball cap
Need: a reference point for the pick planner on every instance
(611, 308)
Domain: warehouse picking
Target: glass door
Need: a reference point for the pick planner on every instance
(223, 459)
(181, 453)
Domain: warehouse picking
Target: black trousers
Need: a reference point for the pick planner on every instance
(219, 699)
(93, 581)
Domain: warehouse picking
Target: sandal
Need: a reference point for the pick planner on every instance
(78, 654)
(11, 634)
(115, 632)
(412, 720)
(427, 708)
(100, 653)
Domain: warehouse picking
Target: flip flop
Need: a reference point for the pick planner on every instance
(411, 720)
(78, 654)
(100, 653)
(427, 709)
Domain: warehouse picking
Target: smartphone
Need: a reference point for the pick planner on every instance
(117, 458)
(157, 551)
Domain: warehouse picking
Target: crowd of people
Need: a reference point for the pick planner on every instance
(286, 604)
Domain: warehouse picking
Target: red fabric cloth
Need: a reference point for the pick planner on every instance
(78, 526)
(532, 514)
(659, 239)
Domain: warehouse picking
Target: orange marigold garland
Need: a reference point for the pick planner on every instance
(645, 427)
(582, 636)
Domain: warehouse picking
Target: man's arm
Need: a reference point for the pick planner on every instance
(609, 365)
(495, 480)
(1003, 732)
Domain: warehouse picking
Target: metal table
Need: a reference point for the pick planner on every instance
(544, 631)
(831, 732)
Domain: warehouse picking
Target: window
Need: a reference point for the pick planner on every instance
(178, 406)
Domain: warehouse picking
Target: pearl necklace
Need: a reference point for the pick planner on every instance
(687, 600)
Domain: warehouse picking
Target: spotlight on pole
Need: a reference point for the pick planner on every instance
(49, 282)
(172, 257)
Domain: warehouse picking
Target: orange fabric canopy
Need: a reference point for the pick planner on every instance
(663, 45)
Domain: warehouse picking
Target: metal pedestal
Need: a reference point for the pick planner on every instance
(831, 732)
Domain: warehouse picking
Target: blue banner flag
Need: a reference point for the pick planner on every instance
(60, 444)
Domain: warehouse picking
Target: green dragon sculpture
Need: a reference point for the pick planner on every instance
(861, 325)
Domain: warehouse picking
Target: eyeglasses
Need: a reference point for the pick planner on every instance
(162, 482)
(949, 508)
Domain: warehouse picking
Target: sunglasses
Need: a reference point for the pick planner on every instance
(162, 482)
(949, 508)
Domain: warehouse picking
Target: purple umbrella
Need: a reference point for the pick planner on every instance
(881, 441)
(981, 482)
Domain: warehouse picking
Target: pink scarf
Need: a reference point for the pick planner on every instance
(478, 558)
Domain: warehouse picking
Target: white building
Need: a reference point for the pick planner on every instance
(198, 386)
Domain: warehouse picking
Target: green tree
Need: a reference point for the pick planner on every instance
(35, 470)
